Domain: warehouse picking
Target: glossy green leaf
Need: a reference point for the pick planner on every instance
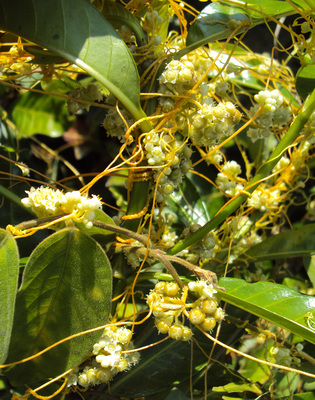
(219, 20)
(304, 396)
(9, 273)
(278, 304)
(76, 31)
(305, 82)
(292, 243)
(38, 113)
(187, 204)
(66, 289)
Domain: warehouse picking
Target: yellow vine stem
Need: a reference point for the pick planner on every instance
(121, 323)
(269, 364)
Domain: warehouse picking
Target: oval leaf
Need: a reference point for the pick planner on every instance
(118, 15)
(76, 31)
(278, 304)
(218, 20)
(66, 289)
(293, 243)
(36, 113)
(9, 273)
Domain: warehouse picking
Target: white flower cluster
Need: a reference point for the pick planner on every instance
(153, 20)
(273, 114)
(178, 76)
(45, 202)
(205, 311)
(108, 358)
(169, 310)
(243, 233)
(114, 124)
(283, 356)
(169, 238)
(89, 94)
(269, 100)
(169, 152)
(264, 199)
(211, 124)
(227, 180)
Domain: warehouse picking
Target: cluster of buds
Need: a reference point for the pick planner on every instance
(87, 94)
(211, 124)
(174, 155)
(46, 202)
(108, 358)
(228, 181)
(170, 310)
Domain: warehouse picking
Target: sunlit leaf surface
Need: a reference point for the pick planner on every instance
(9, 270)
(276, 303)
(66, 289)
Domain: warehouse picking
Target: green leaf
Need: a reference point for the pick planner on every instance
(9, 273)
(66, 289)
(218, 20)
(305, 82)
(102, 217)
(76, 31)
(278, 304)
(293, 243)
(236, 387)
(309, 264)
(38, 113)
(213, 23)
(187, 204)
(42, 56)
(118, 15)
(304, 396)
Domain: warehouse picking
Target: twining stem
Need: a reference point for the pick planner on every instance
(122, 231)
(159, 254)
(263, 173)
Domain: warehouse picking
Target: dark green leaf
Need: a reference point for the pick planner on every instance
(9, 273)
(66, 289)
(76, 31)
(38, 113)
(309, 264)
(304, 396)
(187, 204)
(305, 82)
(278, 304)
(214, 23)
(219, 20)
(293, 243)
(42, 56)
(177, 395)
(118, 15)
